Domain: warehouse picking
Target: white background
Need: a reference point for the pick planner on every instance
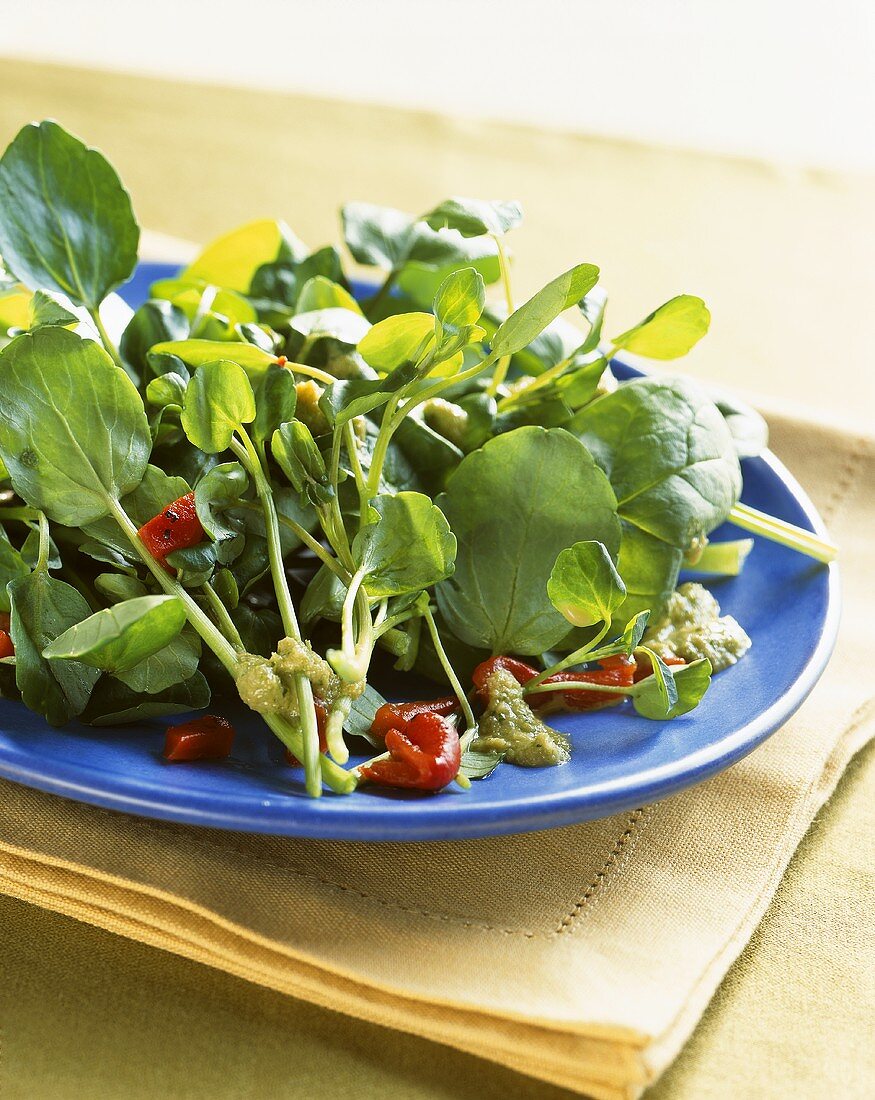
(790, 80)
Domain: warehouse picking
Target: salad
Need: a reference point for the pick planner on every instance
(275, 485)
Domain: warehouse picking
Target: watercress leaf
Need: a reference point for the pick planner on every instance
(460, 299)
(525, 323)
(220, 489)
(260, 630)
(275, 401)
(218, 401)
(197, 353)
(30, 552)
(592, 306)
(432, 456)
(323, 597)
(480, 765)
(354, 397)
(670, 331)
(114, 703)
(66, 222)
(408, 549)
(47, 310)
(43, 608)
(168, 390)
(691, 682)
(174, 663)
(119, 586)
(376, 235)
(12, 565)
(109, 555)
(73, 430)
(584, 585)
(475, 217)
(513, 506)
(341, 324)
(420, 282)
(218, 310)
(649, 568)
(749, 430)
(321, 293)
(301, 461)
(663, 679)
(195, 565)
(232, 260)
(400, 339)
(155, 322)
(226, 588)
(362, 713)
(625, 643)
(120, 636)
(669, 455)
(155, 491)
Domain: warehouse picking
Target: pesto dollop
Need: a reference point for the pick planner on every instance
(508, 725)
(266, 684)
(692, 627)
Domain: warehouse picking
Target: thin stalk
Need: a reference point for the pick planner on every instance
(309, 727)
(338, 779)
(23, 513)
(458, 690)
(42, 561)
(223, 619)
(105, 338)
(307, 539)
(310, 372)
(352, 450)
(787, 534)
(572, 659)
(501, 367)
(578, 685)
(381, 447)
(205, 304)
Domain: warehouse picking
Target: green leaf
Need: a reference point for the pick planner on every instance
(341, 324)
(46, 310)
(408, 549)
(30, 551)
(155, 322)
(475, 217)
(119, 586)
(301, 461)
(115, 704)
(155, 491)
(12, 565)
(584, 585)
(218, 311)
(168, 390)
(480, 765)
(669, 331)
(527, 322)
(749, 431)
(513, 506)
(220, 489)
(460, 299)
(43, 608)
(403, 338)
(73, 430)
(275, 401)
(232, 260)
(218, 401)
(119, 637)
(321, 293)
(663, 679)
(592, 307)
(197, 353)
(66, 222)
(691, 682)
(626, 643)
(669, 455)
(362, 713)
(173, 664)
(345, 400)
(649, 568)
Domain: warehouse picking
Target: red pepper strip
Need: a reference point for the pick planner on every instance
(7, 649)
(614, 672)
(321, 721)
(426, 755)
(644, 668)
(207, 738)
(176, 528)
(395, 716)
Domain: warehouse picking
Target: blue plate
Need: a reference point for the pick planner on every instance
(788, 605)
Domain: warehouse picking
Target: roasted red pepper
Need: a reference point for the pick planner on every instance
(425, 755)
(615, 671)
(321, 720)
(207, 738)
(176, 528)
(7, 649)
(644, 668)
(396, 715)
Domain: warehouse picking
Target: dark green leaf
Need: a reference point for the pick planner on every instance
(408, 549)
(155, 322)
(115, 704)
(218, 401)
(475, 217)
(220, 489)
(275, 402)
(12, 565)
(174, 663)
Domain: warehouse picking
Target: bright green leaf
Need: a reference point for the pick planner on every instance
(218, 400)
(584, 585)
(527, 322)
(408, 549)
(669, 331)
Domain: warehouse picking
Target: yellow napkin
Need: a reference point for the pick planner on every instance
(583, 956)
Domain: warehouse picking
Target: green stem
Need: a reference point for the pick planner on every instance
(42, 561)
(577, 685)
(501, 367)
(23, 513)
(307, 539)
(338, 779)
(309, 727)
(381, 447)
(105, 338)
(311, 372)
(223, 619)
(787, 534)
(358, 473)
(572, 659)
(458, 690)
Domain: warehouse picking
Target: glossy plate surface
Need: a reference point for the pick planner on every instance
(788, 605)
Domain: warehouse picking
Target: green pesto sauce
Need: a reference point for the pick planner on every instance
(508, 725)
(692, 627)
(266, 684)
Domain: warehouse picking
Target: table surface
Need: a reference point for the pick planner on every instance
(781, 257)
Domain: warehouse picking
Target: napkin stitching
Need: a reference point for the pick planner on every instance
(846, 478)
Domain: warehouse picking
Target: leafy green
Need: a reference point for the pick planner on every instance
(400, 339)
(527, 322)
(460, 299)
(584, 585)
(233, 259)
(174, 663)
(120, 637)
(475, 217)
(115, 704)
(12, 565)
(66, 222)
(513, 506)
(301, 461)
(690, 682)
(218, 401)
(46, 310)
(197, 353)
(70, 458)
(668, 332)
(155, 322)
(408, 549)
(321, 293)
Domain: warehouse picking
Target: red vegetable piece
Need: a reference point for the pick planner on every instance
(7, 649)
(321, 720)
(618, 671)
(521, 672)
(176, 528)
(644, 668)
(207, 738)
(396, 715)
(426, 755)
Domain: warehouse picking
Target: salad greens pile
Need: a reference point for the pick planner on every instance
(416, 475)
